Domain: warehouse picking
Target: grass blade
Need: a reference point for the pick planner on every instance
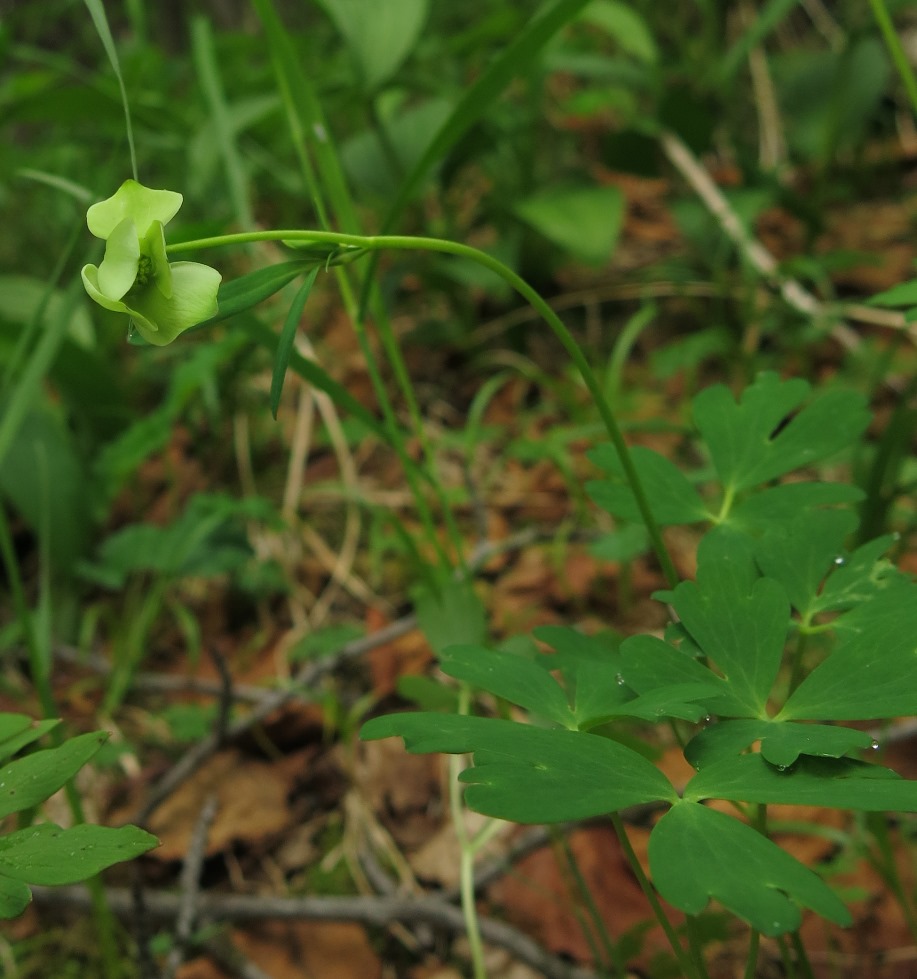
(287, 335)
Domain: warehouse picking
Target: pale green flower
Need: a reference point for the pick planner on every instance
(162, 299)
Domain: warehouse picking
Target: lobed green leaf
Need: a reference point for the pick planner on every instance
(739, 621)
(749, 443)
(872, 672)
(28, 781)
(698, 855)
(840, 783)
(532, 775)
(47, 854)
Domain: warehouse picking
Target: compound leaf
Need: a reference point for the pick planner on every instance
(672, 498)
(769, 507)
(872, 672)
(648, 664)
(47, 854)
(698, 854)
(28, 781)
(14, 897)
(801, 551)
(859, 577)
(840, 783)
(747, 444)
(739, 621)
(532, 775)
(518, 680)
(781, 742)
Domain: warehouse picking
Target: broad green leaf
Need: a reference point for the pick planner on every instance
(800, 552)
(14, 897)
(518, 680)
(380, 35)
(573, 647)
(872, 672)
(903, 294)
(623, 544)
(11, 725)
(450, 614)
(44, 477)
(769, 507)
(584, 221)
(532, 775)
(746, 442)
(47, 854)
(407, 132)
(672, 498)
(859, 577)
(781, 742)
(28, 781)
(698, 855)
(287, 336)
(208, 539)
(648, 664)
(33, 730)
(739, 622)
(625, 25)
(839, 783)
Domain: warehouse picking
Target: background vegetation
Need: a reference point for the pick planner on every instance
(703, 191)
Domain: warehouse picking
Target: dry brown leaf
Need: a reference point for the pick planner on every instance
(309, 950)
(253, 802)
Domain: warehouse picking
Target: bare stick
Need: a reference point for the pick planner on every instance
(190, 881)
(307, 676)
(373, 911)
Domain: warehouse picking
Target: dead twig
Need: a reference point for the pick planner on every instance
(307, 676)
(793, 293)
(371, 911)
(189, 881)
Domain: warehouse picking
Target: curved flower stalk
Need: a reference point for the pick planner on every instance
(162, 299)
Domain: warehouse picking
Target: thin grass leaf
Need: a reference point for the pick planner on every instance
(287, 336)
(207, 67)
(479, 97)
(97, 11)
(309, 129)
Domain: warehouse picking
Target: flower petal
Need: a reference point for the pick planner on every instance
(90, 277)
(122, 257)
(194, 299)
(133, 200)
(154, 245)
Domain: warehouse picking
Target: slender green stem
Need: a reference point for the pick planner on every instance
(696, 946)
(754, 942)
(802, 957)
(687, 966)
(467, 850)
(598, 933)
(407, 243)
(896, 50)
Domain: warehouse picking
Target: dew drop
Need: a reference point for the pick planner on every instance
(874, 745)
(840, 560)
(707, 718)
(619, 680)
(781, 768)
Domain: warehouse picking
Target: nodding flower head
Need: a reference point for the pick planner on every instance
(162, 298)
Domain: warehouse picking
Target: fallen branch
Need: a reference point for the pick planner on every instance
(372, 911)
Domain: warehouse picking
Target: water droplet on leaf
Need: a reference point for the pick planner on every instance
(874, 745)
(619, 680)
(840, 560)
